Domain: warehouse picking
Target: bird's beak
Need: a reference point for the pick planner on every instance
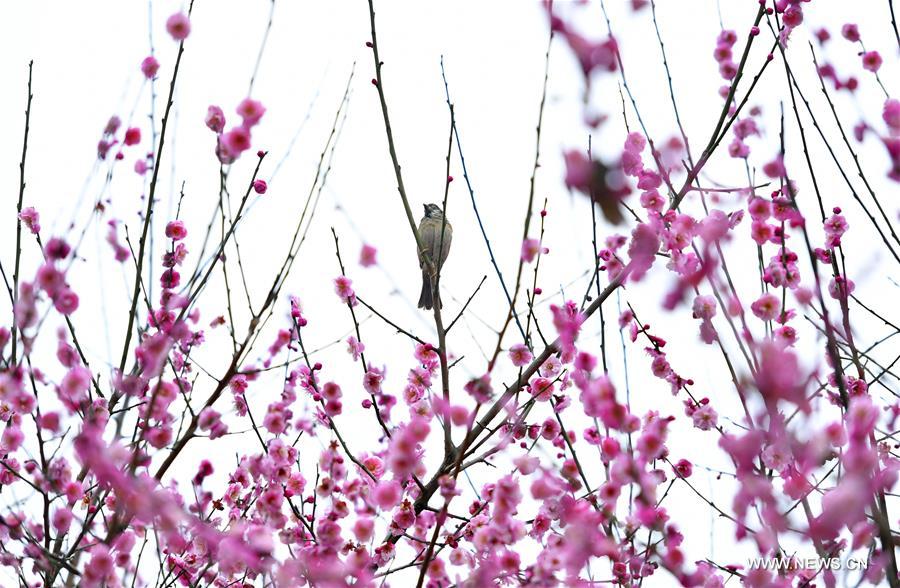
(425, 207)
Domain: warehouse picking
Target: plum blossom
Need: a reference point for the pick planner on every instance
(354, 347)
(522, 449)
(215, 119)
(642, 250)
(31, 218)
(343, 287)
(520, 355)
(176, 230)
(367, 255)
(178, 26)
(149, 67)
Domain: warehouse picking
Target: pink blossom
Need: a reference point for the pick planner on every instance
(653, 200)
(891, 114)
(459, 416)
(66, 302)
(57, 249)
(251, 111)
(738, 149)
(386, 494)
(642, 250)
(893, 148)
(208, 418)
(850, 32)
(786, 336)
(74, 385)
(541, 388)
(236, 141)
(354, 347)
(31, 218)
(178, 26)
(367, 255)
(149, 67)
(872, 61)
(480, 389)
(635, 142)
(705, 418)
(11, 439)
(170, 279)
(567, 320)
(343, 287)
(403, 452)
(648, 180)
(779, 376)
(722, 53)
(590, 54)
(683, 468)
(550, 428)
(728, 70)
(176, 230)
(585, 361)
(62, 519)
(862, 417)
(835, 226)
(363, 529)
(520, 355)
(843, 506)
(840, 287)
(426, 355)
(775, 168)
(745, 127)
(103, 147)
(159, 437)
(704, 307)
(373, 379)
(112, 125)
(726, 37)
(215, 119)
(715, 226)
(766, 307)
(132, 136)
(632, 164)
(276, 419)
(579, 171)
(793, 16)
(50, 280)
(759, 209)
(384, 486)
(530, 249)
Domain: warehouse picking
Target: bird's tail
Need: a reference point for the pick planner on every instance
(425, 298)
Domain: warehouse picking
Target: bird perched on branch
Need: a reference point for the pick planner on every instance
(436, 233)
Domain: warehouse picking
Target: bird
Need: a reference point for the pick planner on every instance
(435, 233)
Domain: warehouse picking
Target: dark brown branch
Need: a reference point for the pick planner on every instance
(15, 287)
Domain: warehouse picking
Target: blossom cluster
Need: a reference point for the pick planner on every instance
(536, 469)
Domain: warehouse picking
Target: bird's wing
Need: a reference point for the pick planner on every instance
(448, 237)
(427, 235)
(430, 233)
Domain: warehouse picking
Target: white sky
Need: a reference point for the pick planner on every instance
(86, 69)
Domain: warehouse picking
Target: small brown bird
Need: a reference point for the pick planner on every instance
(437, 246)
